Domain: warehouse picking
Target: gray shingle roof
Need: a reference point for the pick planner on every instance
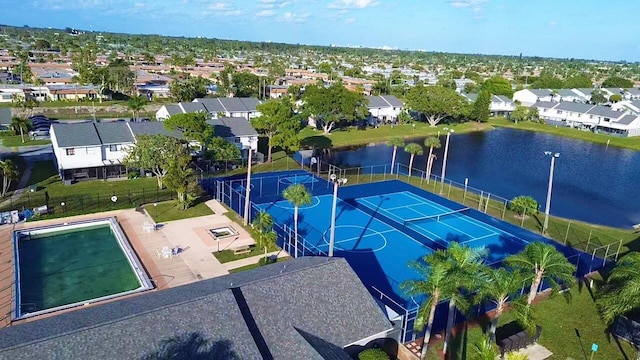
(5, 116)
(633, 91)
(586, 91)
(282, 309)
(541, 92)
(76, 135)
(574, 107)
(212, 105)
(627, 119)
(190, 107)
(605, 111)
(376, 102)
(501, 98)
(173, 109)
(567, 93)
(231, 127)
(545, 104)
(114, 133)
(152, 128)
(393, 101)
(233, 104)
(471, 97)
(250, 103)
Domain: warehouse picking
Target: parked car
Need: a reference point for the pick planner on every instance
(39, 132)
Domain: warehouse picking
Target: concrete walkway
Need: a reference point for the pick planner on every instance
(252, 260)
(22, 184)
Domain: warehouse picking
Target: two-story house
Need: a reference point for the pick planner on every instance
(226, 107)
(528, 97)
(500, 105)
(384, 108)
(236, 131)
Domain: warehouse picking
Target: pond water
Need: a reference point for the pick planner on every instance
(592, 182)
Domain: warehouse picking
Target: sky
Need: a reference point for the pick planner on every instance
(585, 29)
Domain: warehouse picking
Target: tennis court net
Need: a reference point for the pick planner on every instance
(438, 217)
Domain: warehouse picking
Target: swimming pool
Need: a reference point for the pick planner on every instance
(62, 266)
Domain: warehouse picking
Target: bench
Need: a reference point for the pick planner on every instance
(241, 250)
(518, 341)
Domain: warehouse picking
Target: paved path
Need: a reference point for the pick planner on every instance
(251, 260)
(22, 185)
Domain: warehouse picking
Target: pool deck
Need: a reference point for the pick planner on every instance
(194, 260)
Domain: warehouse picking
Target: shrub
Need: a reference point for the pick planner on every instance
(514, 355)
(373, 354)
(524, 205)
(267, 260)
(132, 174)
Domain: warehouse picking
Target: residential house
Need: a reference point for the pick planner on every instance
(277, 91)
(227, 107)
(152, 85)
(608, 92)
(631, 94)
(584, 93)
(5, 119)
(528, 97)
(570, 95)
(8, 93)
(384, 108)
(74, 92)
(628, 106)
(236, 131)
(597, 118)
(279, 311)
(500, 105)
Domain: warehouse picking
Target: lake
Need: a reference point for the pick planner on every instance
(592, 182)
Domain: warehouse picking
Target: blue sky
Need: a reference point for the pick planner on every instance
(585, 29)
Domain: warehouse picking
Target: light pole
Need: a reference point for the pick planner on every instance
(336, 183)
(546, 211)
(248, 186)
(444, 158)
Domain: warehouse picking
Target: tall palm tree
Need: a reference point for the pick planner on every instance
(433, 283)
(464, 266)
(135, 104)
(9, 173)
(622, 293)
(413, 149)
(20, 125)
(540, 261)
(395, 142)
(431, 142)
(498, 287)
(263, 223)
(298, 195)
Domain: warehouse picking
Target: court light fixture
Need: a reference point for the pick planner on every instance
(337, 181)
(444, 158)
(553, 156)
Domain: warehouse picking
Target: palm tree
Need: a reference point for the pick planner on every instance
(485, 349)
(541, 261)
(622, 293)
(263, 223)
(498, 286)
(135, 104)
(297, 194)
(433, 283)
(395, 142)
(413, 149)
(431, 142)
(464, 266)
(20, 125)
(9, 173)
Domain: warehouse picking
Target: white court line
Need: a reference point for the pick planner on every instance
(429, 202)
(479, 238)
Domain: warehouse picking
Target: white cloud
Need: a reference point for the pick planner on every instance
(265, 13)
(232, 13)
(349, 20)
(219, 6)
(475, 4)
(352, 4)
(294, 18)
(553, 23)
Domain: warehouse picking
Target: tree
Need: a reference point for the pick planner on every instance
(431, 142)
(244, 84)
(395, 142)
(19, 125)
(404, 117)
(193, 125)
(578, 81)
(188, 89)
(523, 113)
(524, 205)
(181, 178)
(413, 149)
(617, 82)
(622, 291)
(540, 261)
(433, 283)
(498, 85)
(615, 98)
(373, 354)
(263, 223)
(279, 124)
(497, 286)
(222, 150)
(481, 107)
(464, 264)
(598, 97)
(154, 153)
(547, 81)
(298, 195)
(435, 102)
(9, 173)
(136, 104)
(41, 44)
(333, 105)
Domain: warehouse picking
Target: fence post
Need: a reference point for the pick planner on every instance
(566, 235)
(618, 252)
(449, 192)
(358, 176)
(504, 209)
(371, 179)
(480, 201)
(466, 184)
(486, 204)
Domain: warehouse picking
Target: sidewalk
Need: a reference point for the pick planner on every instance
(252, 260)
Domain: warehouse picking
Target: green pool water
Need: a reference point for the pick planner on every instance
(70, 266)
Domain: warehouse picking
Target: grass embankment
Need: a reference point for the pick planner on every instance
(312, 138)
(562, 318)
(632, 143)
(169, 211)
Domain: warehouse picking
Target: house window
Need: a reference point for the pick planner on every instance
(71, 151)
(114, 148)
(590, 116)
(579, 115)
(559, 112)
(607, 119)
(91, 151)
(544, 110)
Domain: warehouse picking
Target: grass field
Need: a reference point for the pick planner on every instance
(16, 140)
(561, 317)
(257, 265)
(169, 211)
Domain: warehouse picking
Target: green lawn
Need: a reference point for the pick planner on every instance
(560, 317)
(168, 211)
(312, 138)
(16, 140)
(228, 255)
(256, 265)
(41, 171)
(629, 143)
